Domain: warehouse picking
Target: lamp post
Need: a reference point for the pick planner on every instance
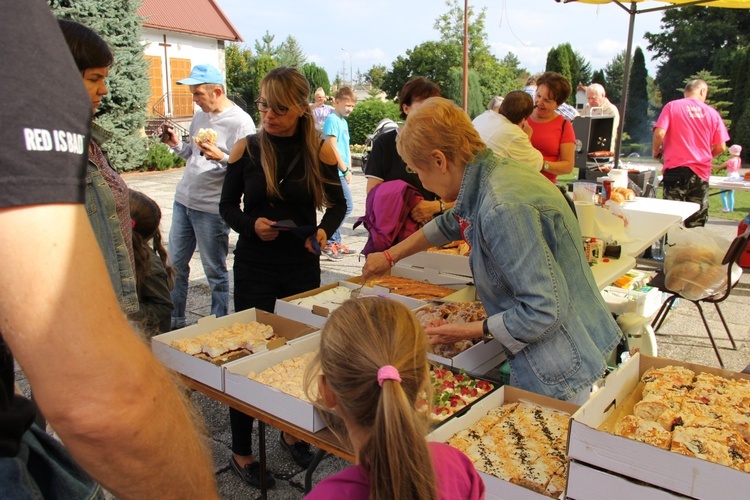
(351, 79)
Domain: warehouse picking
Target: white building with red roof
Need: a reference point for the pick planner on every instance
(177, 35)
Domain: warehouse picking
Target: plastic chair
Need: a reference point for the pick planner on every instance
(731, 257)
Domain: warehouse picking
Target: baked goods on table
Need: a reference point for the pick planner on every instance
(206, 136)
(459, 247)
(620, 194)
(451, 312)
(287, 376)
(699, 415)
(330, 299)
(452, 392)
(227, 344)
(520, 443)
(408, 287)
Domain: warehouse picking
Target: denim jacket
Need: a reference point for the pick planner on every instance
(531, 274)
(100, 207)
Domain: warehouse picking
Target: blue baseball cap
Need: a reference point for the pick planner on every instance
(203, 73)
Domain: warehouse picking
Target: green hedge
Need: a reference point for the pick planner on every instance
(160, 157)
(365, 117)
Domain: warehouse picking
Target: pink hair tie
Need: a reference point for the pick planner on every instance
(132, 223)
(388, 372)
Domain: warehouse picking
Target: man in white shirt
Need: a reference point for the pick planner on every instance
(506, 132)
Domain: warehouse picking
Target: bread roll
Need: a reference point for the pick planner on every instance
(617, 197)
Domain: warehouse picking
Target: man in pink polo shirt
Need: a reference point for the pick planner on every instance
(689, 133)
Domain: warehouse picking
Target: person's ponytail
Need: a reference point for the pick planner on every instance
(398, 456)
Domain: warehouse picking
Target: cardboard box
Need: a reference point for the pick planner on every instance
(672, 471)
(453, 264)
(481, 357)
(496, 487)
(295, 411)
(645, 301)
(588, 483)
(206, 372)
(432, 275)
(317, 316)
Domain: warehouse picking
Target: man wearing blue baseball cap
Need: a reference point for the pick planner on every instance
(196, 220)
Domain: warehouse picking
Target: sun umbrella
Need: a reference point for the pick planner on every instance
(632, 9)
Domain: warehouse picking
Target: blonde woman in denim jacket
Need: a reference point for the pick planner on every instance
(526, 256)
(107, 197)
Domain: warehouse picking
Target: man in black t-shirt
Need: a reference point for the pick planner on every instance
(111, 402)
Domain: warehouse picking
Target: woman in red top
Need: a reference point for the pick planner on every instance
(552, 135)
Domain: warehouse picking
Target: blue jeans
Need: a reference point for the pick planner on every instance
(211, 234)
(336, 237)
(43, 469)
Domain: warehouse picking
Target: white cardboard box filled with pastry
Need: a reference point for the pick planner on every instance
(273, 382)
(516, 440)
(678, 426)
(446, 263)
(200, 350)
(588, 483)
(314, 306)
(474, 355)
(426, 275)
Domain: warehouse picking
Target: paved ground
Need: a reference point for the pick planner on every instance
(682, 337)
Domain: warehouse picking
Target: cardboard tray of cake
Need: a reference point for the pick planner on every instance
(516, 440)
(416, 283)
(199, 351)
(314, 306)
(678, 426)
(437, 259)
(273, 382)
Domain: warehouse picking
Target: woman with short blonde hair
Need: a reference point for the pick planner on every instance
(527, 260)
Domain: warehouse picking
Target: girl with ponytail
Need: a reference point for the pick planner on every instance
(371, 366)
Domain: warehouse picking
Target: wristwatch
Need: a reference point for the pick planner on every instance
(545, 165)
(442, 206)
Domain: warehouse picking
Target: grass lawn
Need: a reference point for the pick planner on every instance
(741, 200)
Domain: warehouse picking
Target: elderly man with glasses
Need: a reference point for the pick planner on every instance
(215, 128)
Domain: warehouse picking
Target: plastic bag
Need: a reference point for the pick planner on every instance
(692, 263)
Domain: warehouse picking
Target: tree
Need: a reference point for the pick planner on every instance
(615, 72)
(317, 76)
(366, 115)
(691, 39)
(451, 28)
(636, 114)
(598, 77)
(718, 93)
(454, 90)
(265, 47)
(558, 60)
(260, 67)
(290, 53)
(123, 110)
(741, 93)
(374, 76)
(238, 60)
(582, 67)
(433, 60)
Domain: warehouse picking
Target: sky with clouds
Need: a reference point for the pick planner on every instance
(376, 32)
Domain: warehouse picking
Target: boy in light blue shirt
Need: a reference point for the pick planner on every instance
(336, 132)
